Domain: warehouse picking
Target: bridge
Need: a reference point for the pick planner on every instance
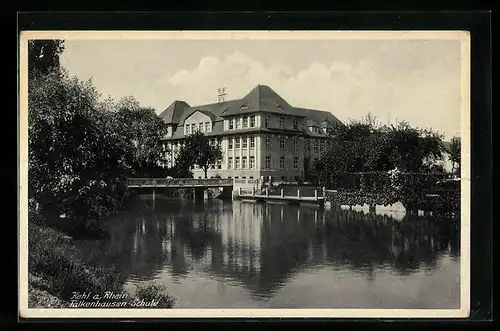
(199, 185)
(178, 182)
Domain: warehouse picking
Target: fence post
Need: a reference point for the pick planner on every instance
(253, 191)
(267, 192)
(298, 193)
(315, 194)
(282, 195)
(323, 189)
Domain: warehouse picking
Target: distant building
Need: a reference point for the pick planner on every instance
(261, 135)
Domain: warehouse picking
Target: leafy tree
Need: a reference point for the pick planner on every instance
(74, 150)
(455, 154)
(412, 147)
(143, 131)
(43, 56)
(366, 146)
(197, 150)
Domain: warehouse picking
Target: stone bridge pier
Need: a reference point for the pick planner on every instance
(200, 194)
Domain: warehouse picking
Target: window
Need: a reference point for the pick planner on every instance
(295, 162)
(307, 145)
(244, 177)
(268, 142)
(201, 127)
(236, 163)
(187, 129)
(231, 124)
(268, 162)
(237, 139)
(252, 162)
(252, 142)
(219, 164)
(295, 124)
(230, 162)
(282, 162)
(282, 142)
(245, 122)
(267, 122)
(245, 142)
(252, 121)
(282, 122)
(315, 146)
(193, 128)
(251, 177)
(321, 146)
(244, 162)
(295, 143)
(207, 127)
(237, 125)
(230, 143)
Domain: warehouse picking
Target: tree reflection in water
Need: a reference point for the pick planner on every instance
(261, 247)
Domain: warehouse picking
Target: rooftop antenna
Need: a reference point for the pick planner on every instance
(222, 94)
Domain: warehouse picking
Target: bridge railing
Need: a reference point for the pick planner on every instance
(178, 182)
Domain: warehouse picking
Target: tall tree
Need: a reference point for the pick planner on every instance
(197, 150)
(455, 154)
(144, 132)
(44, 56)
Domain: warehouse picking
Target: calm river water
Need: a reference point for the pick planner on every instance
(244, 255)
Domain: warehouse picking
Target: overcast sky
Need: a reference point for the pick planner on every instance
(413, 80)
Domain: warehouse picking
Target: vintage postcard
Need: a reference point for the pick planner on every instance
(244, 174)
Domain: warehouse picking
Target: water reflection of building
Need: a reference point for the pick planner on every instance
(262, 246)
(241, 238)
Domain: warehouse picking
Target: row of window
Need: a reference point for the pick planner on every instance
(245, 122)
(267, 122)
(193, 127)
(243, 162)
(282, 162)
(318, 145)
(241, 141)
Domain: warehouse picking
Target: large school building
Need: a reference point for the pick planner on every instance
(261, 135)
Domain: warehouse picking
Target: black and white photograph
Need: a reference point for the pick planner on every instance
(244, 173)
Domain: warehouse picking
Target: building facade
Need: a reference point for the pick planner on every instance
(261, 135)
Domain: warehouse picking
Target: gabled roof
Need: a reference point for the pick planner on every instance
(193, 110)
(174, 112)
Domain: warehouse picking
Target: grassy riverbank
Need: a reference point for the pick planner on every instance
(57, 269)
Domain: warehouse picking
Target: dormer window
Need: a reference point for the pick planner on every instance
(243, 107)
